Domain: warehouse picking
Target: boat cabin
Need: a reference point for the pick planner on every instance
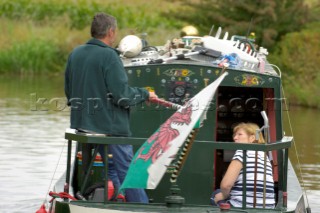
(247, 94)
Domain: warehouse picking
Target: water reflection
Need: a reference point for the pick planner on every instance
(31, 142)
(305, 153)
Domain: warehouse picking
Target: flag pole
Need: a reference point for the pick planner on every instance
(183, 155)
(165, 103)
(175, 199)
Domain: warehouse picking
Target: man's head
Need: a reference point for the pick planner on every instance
(104, 27)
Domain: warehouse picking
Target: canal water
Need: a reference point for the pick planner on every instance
(33, 118)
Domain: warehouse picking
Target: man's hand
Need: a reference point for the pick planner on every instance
(152, 95)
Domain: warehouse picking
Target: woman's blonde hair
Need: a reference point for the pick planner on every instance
(250, 129)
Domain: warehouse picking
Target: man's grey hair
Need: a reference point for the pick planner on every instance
(101, 24)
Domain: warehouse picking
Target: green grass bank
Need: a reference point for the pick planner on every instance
(37, 36)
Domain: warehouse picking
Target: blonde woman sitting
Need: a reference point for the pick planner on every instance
(231, 190)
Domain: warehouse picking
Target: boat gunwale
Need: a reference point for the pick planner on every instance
(106, 140)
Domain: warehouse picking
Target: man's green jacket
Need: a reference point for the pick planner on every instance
(96, 86)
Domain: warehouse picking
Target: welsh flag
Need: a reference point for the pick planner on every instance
(156, 154)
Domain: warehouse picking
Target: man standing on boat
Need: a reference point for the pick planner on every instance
(96, 86)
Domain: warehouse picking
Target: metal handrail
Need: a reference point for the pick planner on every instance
(99, 139)
(283, 144)
(277, 145)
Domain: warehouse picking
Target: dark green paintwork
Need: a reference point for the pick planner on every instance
(199, 166)
(154, 75)
(197, 177)
(158, 208)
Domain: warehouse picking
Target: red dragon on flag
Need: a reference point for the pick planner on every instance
(160, 140)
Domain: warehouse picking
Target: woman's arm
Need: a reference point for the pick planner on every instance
(230, 178)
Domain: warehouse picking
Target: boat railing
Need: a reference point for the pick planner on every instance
(281, 146)
(88, 158)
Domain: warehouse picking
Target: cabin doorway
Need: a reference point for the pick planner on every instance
(234, 105)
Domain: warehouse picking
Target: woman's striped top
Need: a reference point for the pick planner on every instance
(237, 190)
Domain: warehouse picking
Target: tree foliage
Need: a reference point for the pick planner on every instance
(298, 56)
(78, 14)
(270, 20)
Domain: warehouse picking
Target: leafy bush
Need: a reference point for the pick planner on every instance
(270, 20)
(298, 56)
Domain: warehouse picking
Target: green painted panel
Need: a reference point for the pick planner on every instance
(61, 207)
(179, 82)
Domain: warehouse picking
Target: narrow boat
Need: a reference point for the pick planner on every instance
(250, 92)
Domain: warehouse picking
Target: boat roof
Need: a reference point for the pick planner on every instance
(268, 70)
(203, 51)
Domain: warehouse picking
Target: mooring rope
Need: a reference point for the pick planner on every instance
(55, 170)
(295, 149)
